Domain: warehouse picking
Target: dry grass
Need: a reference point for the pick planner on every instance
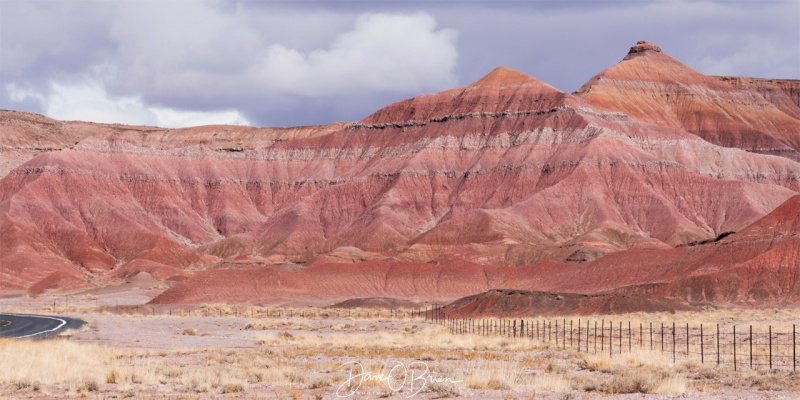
(189, 331)
(302, 358)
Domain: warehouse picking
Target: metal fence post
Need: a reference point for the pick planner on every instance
(515, 329)
(602, 335)
(610, 338)
(734, 347)
(673, 342)
(702, 339)
(751, 346)
(687, 341)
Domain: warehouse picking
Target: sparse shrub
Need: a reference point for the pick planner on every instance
(553, 382)
(769, 381)
(555, 368)
(90, 386)
(197, 387)
(232, 388)
(112, 376)
(173, 373)
(22, 384)
(257, 377)
(708, 374)
(688, 366)
(294, 376)
(671, 385)
(442, 390)
(595, 363)
(632, 381)
(253, 326)
(189, 332)
(498, 384)
(319, 383)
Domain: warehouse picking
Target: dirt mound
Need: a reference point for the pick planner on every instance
(58, 281)
(156, 270)
(376, 303)
(524, 303)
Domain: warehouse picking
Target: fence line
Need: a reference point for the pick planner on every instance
(773, 347)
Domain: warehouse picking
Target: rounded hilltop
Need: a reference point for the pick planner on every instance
(503, 76)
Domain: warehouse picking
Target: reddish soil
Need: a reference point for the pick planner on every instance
(524, 303)
(376, 302)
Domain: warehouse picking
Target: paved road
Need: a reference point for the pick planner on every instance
(24, 326)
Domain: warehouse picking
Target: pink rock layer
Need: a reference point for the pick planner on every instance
(456, 186)
(732, 112)
(759, 265)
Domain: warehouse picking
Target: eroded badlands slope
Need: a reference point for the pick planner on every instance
(755, 115)
(25, 135)
(437, 189)
(759, 265)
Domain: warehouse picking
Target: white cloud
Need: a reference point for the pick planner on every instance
(750, 56)
(20, 94)
(262, 60)
(213, 55)
(170, 118)
(384, 52)
(291, 63)
(90, 102)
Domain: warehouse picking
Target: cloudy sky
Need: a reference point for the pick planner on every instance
(270, 63)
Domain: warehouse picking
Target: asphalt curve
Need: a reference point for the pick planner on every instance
(25, 326)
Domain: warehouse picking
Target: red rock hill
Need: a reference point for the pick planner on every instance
(651, 86)
(445, 189)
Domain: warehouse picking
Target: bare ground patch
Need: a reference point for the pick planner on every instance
(235, 356)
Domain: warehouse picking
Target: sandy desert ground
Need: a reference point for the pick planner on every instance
(220, 352)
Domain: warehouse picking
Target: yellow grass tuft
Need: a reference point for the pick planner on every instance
(189, 331)
(53, 362)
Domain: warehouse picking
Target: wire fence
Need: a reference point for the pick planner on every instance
(734, 346)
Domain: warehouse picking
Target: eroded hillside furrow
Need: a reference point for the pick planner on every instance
(506, 182)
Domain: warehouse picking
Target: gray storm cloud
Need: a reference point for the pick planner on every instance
(177, 63)
(201, 56)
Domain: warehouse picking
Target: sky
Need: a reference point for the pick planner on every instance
(178, 63)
